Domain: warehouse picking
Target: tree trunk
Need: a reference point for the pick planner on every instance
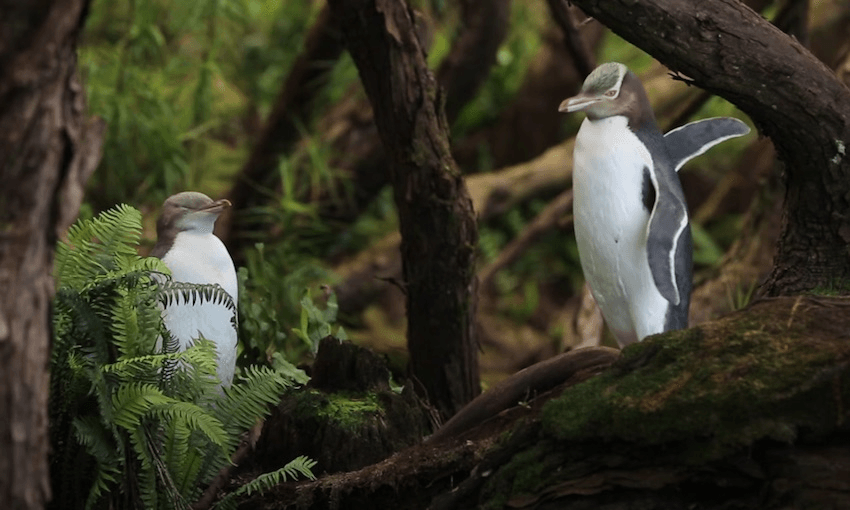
(436, 219)
(724, 47)
(48, 148)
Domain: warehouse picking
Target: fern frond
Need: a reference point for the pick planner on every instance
(300, 465)
(90, 433)
(132, 401)
(97, 245)
(172, 292)
(245, 402)
(194, 418)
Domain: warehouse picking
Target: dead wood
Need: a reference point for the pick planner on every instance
(491, 194)
(524, 386)
(583, 322)
(749, 260)
(550, 217)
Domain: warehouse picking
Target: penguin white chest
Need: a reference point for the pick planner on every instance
(202, 258)
(611, 226)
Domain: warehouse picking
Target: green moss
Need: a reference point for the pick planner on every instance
(348, 411)
(719, 387)
(524, 474)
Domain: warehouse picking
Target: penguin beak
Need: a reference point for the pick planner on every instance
(217, 207)
(578, 102)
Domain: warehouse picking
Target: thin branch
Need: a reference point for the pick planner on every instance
(308, 76)
(578, 50)
(550, 217)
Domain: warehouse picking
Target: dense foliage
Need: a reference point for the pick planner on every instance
(134, 423)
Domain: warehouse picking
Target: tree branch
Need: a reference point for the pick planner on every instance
(582, 57)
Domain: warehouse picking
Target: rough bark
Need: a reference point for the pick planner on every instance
(48, 149)
(729, 50)
(436, 219)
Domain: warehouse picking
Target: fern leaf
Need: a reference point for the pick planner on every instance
(132, 401)
(300, 465)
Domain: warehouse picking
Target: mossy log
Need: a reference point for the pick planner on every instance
(748, 411)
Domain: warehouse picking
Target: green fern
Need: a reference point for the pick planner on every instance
(298, 467)
(134, 423)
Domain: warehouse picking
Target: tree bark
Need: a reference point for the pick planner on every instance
(48, 149)
(724, 47)
(436, 219)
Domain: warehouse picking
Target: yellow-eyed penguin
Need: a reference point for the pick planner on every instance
(630, 216)
(188, 247)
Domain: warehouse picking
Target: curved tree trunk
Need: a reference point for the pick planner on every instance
(48, 149)
(436, 219)
(727, 49)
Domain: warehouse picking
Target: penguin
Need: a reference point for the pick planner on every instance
(630, 216)
(187, 246)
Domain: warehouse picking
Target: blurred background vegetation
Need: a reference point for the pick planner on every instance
(185, 89)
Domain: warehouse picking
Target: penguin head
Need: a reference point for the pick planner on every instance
(611, 89)
(190, 210)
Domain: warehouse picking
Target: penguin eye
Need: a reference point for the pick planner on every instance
(610, 93)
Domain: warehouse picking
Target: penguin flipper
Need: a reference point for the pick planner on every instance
(689, 141)
(667, 222)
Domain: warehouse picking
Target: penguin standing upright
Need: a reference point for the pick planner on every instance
(630, 216)
(187, 246)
